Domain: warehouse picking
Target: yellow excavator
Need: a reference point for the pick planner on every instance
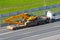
(26, 17)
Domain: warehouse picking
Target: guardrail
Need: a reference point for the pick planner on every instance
(31, 10)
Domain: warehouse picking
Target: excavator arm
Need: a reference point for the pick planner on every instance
(25, 16)
(10, 20)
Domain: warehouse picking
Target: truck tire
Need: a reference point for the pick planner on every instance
(51, 20)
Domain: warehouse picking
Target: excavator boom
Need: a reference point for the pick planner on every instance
(10, 20)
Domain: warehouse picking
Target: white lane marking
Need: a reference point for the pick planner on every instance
(37, 35)
(21, 34)
(55, 37)
(2, 29)
(22, 30)
(16, 35)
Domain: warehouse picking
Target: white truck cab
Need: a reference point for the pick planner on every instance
(50, 15)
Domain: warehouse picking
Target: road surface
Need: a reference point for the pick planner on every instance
(55, 37)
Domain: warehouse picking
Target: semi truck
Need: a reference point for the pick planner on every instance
(28, 20)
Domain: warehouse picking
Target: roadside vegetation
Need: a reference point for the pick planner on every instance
(8, 6)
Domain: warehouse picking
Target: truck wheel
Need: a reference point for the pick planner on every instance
(51, 20)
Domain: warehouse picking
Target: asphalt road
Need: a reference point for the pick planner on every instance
(32, 33)
(28, 32)
(55, 37)
(41, 36)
